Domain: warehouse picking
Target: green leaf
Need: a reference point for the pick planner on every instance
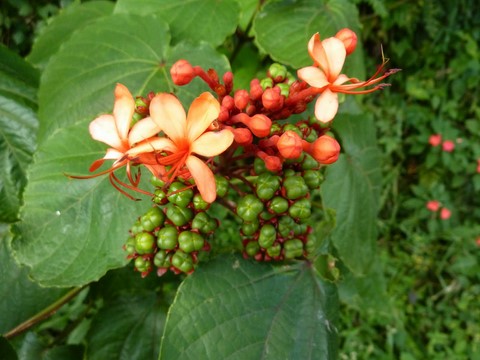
(238, 309)
(352, 188)
(197, 20)
(20, 298)
(7, 350)
(18, 127)
(127, 328)
(283, 28)
(70, 20)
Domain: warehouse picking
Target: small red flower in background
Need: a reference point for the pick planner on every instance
(448, 146)
(433, 205)
(478, 166)
(435, 139)
(445, 214)
(477, 241)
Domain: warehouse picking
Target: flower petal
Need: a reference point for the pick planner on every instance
(317, 52)
(110, 155)
(103, 129)
(203, 177)
(168, 113)
(326, 106)
(153, 144)
(142, 130)
(336, 54)
(313, 76)
(203, 110)
(123, 110)
(212, 143)
(342, 78)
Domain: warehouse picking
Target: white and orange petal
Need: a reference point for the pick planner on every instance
(204, 178)
(168, 113)
(313, 76)
(203, 111)
(326, 106)
(143, 130)
(152, 144)
(212, 143)
(123, 110)
(103, 129)
(336, 54)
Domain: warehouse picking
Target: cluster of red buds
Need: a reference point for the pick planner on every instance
(242, 140)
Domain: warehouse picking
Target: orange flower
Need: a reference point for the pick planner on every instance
(329, 56)
(186, 136)
(114, 130)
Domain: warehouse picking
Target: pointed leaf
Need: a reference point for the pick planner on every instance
(197, 20)
(282, 28)
(352, 188)
(128, 328)
(62, 27)
(232, 308)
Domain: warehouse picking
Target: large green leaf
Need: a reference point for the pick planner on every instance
(352, 188)
(127, 328)
(18, 128)
(197, 20)
(63, 26)
(282, 28)
(20, 298)
(232, 308)
(72, 231)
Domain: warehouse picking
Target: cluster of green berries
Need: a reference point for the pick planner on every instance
(170, 235)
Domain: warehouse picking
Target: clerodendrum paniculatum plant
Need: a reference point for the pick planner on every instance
(225, 162)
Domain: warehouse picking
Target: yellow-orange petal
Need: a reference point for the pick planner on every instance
(203, 177)
(123, 110)
(326, 106)
(336, 54)
(168, 113)
(313, 76)
(153, 144)
(317, 53)
(142, 130)
(342, 78)
(203, 110)
(212, 143)
(103, 129)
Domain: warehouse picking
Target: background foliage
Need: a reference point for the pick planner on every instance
(411, 297)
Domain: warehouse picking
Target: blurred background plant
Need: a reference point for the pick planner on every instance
(421, 298)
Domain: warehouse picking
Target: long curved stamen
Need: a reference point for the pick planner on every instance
(113, 168)
(130, 187)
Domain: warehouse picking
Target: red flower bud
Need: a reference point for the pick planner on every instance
(433, 205)
(445, 214)
(272, 163)
(242, 136)
(349, 39)
(290, 145)
(241, 99)
(182, 72)
(272, 99)
(256, 90)
(448, 146)
(325, 150)
(435, 139)
(259, 124)
(228, 102)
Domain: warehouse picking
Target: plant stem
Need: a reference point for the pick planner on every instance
(42, 315)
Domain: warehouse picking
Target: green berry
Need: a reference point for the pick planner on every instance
(277, 72)
(157, 182)
(309, 163)
(136, 228)
(221, 184)
(190, 241)
(313, 178)
(199, 203)
(284, 89)
(301, 209)
(159, 196)
(278, 205)
(274, 250)
(182, 261)
(293, 248)
(293, 128)
(276, 127)
(152, 219)
(285, 226)
(266, 83)
(252, 248)
(267, 185)
(179, 194)
(250, 228)
(142, 265)
(179, 216)
(130, 246)
(259, 166)
(249, 207)
(204, 223)
(144, 243)
(167, 237)
(162, 259)
(295, 187)
(267, 236)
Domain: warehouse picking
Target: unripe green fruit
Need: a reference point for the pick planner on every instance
(293, 128)
(278, 205)
(295, 187)
(285, 227)
(250, 228)
(267, 236)
(265, 215)
(162, 259)
(276, 127)
(182, 261)
(249, 207)
(309, 163)
(130, 246)
(266, 83)
(180, 194)
(204, 223)
(267, 185)
(293, 248)
(190, 241)
(313, 178)
(289, 173)
(301, 209)
(152, 219)
(284, 89)
(277, 72)
(142, 265)
(252, 248)
(259, 166)
(136, 228)
(157, 182)
(167, 237)
(199, 203)
(179, 216)
(144, 243)
(222, 185)
(159, 196)
(274, 250)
